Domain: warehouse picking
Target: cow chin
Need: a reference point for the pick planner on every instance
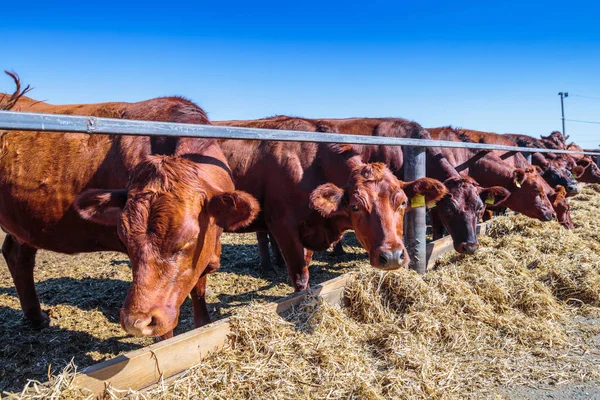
(156, 322)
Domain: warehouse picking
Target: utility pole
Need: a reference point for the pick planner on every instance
(562, 107)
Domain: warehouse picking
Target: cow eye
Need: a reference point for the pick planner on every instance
(354, 208)
(404, 203)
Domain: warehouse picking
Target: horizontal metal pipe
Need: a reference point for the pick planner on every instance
(11, 120)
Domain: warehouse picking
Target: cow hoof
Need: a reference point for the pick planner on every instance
(268, 272)
(339, 252)
(40, 322)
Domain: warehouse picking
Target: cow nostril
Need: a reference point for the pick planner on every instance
(382, 259)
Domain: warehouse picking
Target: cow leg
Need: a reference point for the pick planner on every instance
(20, 259)
(487, 215)
(437, 227)
(338, 249)
(276, 252)
(201, 315)
(293, 254)
(198, 294)
(266, 267)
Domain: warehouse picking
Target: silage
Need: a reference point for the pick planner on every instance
(502, 317)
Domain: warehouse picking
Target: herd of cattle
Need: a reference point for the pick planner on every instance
(166, 201)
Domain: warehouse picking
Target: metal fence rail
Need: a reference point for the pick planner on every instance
(94, 125)
(414, 153)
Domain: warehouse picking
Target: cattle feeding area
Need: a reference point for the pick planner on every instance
(151, 180)
(523, 310)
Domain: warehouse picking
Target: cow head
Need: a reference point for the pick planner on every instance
(170, 219)
(528, 195)
(561, 206)
(373, 204)
(589, 171)
(556, 174)
(462, 207)
(555, 140)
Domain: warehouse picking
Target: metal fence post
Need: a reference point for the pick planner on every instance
(528, 156)
(598, 161)
(414, 221)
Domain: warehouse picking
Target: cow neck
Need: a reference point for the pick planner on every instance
(438, 166)
(487, 169)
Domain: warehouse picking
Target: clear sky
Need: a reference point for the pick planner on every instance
(494, 66)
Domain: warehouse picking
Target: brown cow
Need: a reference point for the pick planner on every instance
(460, 210)
(582, 166)
(517, 160)
(311, 193)
(554, 171)
(528, 189)
(75, 193)
(591, 172)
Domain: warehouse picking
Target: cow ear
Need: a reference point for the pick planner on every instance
(424, 191)
(101, 206)
(584, 163)
(494, 195)
(233, 210)
(577, 171)
(518, 177)
(327, 199)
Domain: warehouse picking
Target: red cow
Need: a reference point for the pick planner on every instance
(74, 193)
(528, 189)
(591, 172)
(311, 193)
(460, 210)
(557, 197)
(553, 170)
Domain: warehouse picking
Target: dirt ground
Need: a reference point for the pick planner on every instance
(83, 295)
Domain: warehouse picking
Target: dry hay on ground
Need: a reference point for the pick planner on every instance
(83, 295)
(509, 315)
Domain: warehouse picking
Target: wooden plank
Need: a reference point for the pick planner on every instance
(144, 367)
(12, 120)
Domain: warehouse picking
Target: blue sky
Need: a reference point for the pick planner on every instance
(495, 66)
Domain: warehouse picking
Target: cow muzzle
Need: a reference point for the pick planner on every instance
(467, 248)
(155, 322)
(550, 216)
(392, 259)
(572, 189)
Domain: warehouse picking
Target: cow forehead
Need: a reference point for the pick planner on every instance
(466, 194)
(160, 213)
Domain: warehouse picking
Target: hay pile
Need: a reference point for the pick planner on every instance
(516, 313)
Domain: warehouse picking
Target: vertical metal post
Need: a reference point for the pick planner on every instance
(414, 221)
(562, 108)
(528, 156)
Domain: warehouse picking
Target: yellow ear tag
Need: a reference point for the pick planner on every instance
(417, 201)
(518, 184)
(431, 205)
(491, 200)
